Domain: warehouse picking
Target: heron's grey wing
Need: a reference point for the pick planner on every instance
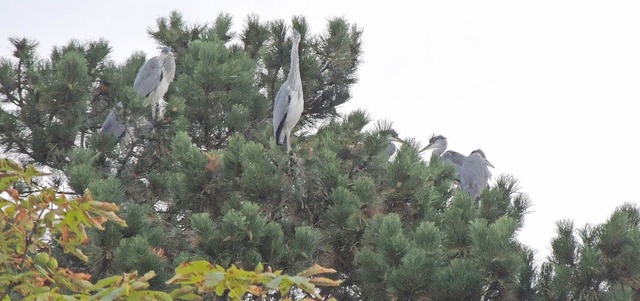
(453, 157)
(474, 175)
(114, 125)
(148, 76)
(280, 108)
(169, 68)
(391, 149)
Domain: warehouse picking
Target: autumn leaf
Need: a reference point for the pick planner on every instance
(314, 270)
(323, 281)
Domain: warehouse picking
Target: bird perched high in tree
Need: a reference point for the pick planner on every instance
(154, 77)
(289, 101)
(475, 174)
(392, 149)
(115, 124)
(439, 145)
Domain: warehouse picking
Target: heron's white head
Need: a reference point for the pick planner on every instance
(296, 37)
(166, 50)
(481, 154)
(392, 135)
(435, 142)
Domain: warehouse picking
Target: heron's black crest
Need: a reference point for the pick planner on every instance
(434, 138)
(479, 151)
(390, 132)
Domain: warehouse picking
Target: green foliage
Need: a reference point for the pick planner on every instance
(29, 224)
(28, 270)
(235, 283)
(208, 182)
(602, 265)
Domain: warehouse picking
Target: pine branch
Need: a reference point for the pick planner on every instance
(21, 148)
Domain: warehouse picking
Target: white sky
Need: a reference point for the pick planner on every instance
(548, 89)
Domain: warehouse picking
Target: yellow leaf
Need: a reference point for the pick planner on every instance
(9, 165)
(79, 254)
(309, 288)
(259, 268)
(185, 292)
(114, 218)
(194, 266)
(88, 197)
(322, 281)
(90, 220)
(111, 281)
(314, 270)
(81, 284)
(6, 180)
(104, 206)
(256, 290)
(148, 276)
(139, 285)
(220, 288)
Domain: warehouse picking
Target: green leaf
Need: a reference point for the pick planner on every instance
(111, 281)
(114, 294)
(199, 266)
(7, 180)
(275, 283)
(212, 279)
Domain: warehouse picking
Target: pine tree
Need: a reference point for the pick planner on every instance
(208, 181)
(600, 262)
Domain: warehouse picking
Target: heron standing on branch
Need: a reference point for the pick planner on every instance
(392, 149)
(439, 145)
(116, 125)
(289, 101)
(153, 79)
(475, 174)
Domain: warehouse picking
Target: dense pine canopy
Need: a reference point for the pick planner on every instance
(209, 182)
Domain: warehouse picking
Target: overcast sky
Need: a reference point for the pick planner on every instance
(547, 89)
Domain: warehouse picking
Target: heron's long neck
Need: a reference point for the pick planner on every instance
(294, 71)
(169, 66)
(440, 150)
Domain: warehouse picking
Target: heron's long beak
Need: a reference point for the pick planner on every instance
(489, 163)
(429, 146)
(398, 140)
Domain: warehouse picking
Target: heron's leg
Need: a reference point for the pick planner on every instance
(153, 111)
(293, 160)
(161, 107)
(288, 142)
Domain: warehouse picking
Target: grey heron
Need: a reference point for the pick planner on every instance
(289, 101)
(475, 174)
(392, 148)
(439, 145)
(115, 124)
(154, 77)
